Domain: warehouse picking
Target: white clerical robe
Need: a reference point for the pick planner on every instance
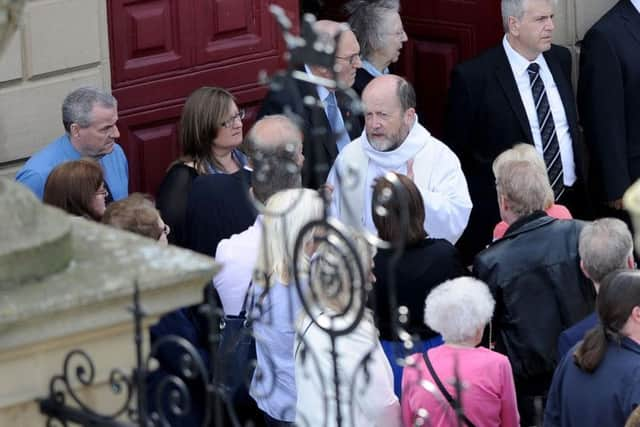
(437, 174)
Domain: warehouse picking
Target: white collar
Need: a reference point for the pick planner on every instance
(636, 4)
(412, 144)
(519, 63)
(323, 92)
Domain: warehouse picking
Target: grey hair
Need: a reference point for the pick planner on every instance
(514, 8)
(366, 19)
(524, 185)
(528, 153)
(458, 308)
(273, 144)
(406, 94)
(605, 245)
(77, 106)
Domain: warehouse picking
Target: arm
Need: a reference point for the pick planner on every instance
(509, 411)
(33, 180)
(446, 197)
(601, 104)
(171, 201)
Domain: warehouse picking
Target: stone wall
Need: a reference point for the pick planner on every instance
(60, 45)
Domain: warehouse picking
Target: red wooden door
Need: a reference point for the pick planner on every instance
(441, 34)
(162, 50)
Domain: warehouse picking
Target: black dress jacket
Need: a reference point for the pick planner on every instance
(609, 100)
(534, 275)
(486, 116)
(319, 146)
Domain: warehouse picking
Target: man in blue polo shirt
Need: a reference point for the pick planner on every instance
(89, 116)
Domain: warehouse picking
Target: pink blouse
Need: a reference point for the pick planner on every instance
(488, 397)
(556, 211)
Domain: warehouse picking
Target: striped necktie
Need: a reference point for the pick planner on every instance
(548, 137)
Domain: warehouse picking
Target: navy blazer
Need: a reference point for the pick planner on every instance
(486, 116)
(571, 336)
(609, 100)
(605, 397)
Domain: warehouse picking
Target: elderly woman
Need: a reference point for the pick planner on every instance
(137, 214)
(210, 134)
(365, 377)
(599, 384)
(276, 301)
(527, 153)
(459, 310)
(423, 264)
(379, 30)
(78, 188)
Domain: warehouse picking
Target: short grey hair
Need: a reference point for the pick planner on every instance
(406, 94)
(605, 245)
(273, 143)
(514, 8)
(366, 19)
(458, 308)
(524, 185)
(77, 106)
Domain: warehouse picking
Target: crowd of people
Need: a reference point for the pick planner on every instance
(484, 280)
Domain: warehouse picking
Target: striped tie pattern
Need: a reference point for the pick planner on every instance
(548, 137)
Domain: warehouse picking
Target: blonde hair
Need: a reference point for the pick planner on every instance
(524, 185)
(524, 153)
(297, 207)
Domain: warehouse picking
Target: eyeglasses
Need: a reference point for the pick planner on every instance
(398, 34)
(102, 192)
(350, 59)
(229, 122)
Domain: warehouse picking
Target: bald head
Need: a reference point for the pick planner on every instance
(389, 107)
(275, 148)
(347, 51)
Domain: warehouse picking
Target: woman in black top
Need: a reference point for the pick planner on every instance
(408, 271)
(210, 136)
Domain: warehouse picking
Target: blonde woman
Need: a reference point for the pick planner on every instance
(276, 303)
(527, 153)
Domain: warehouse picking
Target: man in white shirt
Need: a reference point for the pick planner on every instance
(518, 91)
(394, 141)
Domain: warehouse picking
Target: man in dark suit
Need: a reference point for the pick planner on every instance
(605, 245)
(326, 113)
(609, 104)
(518, 91)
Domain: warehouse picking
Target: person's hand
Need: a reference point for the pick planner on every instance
(410, 174)
(615, 204)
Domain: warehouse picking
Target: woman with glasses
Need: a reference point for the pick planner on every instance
(210, 137)
(137, 214)
(78, 188)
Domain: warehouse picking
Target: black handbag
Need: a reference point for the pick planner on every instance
(236, 355)
(454, 404)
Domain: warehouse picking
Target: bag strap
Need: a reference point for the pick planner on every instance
(444, 391)
(244, 311)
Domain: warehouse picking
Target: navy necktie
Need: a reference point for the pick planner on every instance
(548, 137)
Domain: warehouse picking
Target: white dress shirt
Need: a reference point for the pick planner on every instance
(519, 65)
(636, 3)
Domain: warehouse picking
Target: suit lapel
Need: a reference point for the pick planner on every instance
(563, 84)
(508, 84)
(631, 16)
(318, 118)
(351, 120)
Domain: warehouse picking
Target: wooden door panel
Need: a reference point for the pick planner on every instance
(149, 38)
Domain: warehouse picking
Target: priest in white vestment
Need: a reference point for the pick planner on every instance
(394, 141)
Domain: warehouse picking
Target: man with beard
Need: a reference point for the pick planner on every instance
(394, 141)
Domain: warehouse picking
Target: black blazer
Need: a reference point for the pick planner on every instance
(486, 116)
(319, 148)
(609, 100)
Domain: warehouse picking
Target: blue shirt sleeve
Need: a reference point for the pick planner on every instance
(33, 180)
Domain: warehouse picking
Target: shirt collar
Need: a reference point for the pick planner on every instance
(70, 151)
(371, 69)
(323, 92)
(519, 63)
(636, 4)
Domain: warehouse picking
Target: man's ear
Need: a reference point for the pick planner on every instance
(74, 130)
(409, 116)
(514, 26)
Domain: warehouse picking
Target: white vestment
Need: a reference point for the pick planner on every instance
(437, 174)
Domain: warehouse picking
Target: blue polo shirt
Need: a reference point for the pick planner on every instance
(35, 172)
